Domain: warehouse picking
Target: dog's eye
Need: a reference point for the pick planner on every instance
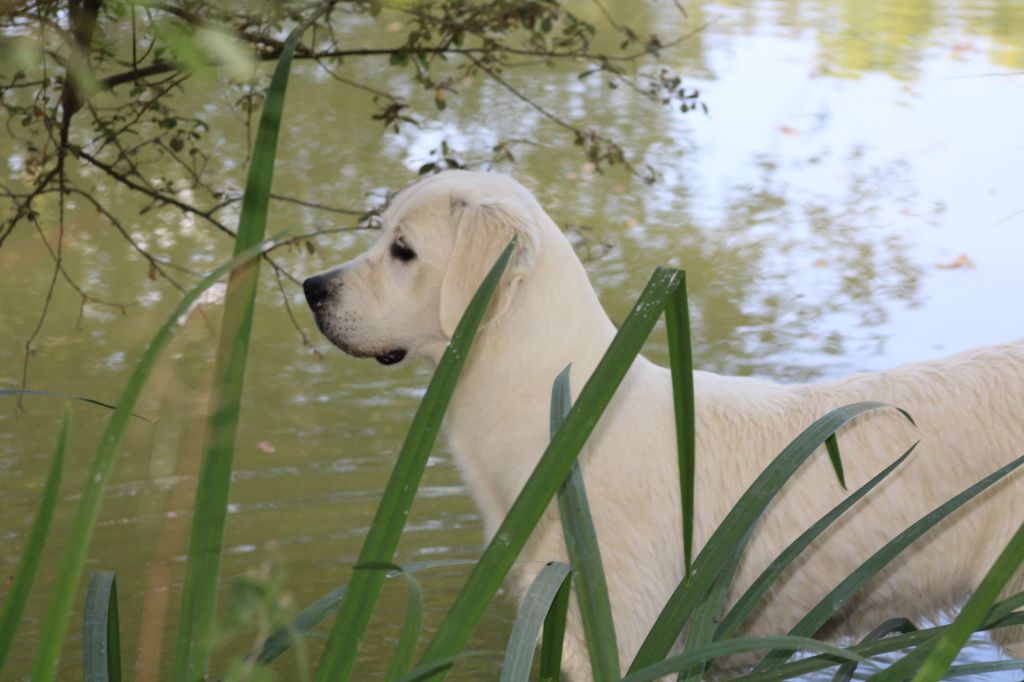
(401, 250)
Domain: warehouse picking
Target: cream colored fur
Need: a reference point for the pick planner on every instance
(969, 410)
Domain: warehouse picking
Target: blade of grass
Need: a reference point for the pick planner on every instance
(554, 464)
(405, 650)
(746, 603)
(202, 572)
(584, 553)
(677, 321)
(401, 657)
(812, 664)
(101, 645)
(818, 615)
(381, 540)
(428, 670)
(1004, 608)
(832, 445)
(982, 668)
(553, 638)
(308, 618)
(58, 613)
(901, 625)
(699, 657)
(974, 611)
(28, 566)
(906, 666)
(705, 617)
(735, 530)
(61, 394)
(534, 611)
(311, 616)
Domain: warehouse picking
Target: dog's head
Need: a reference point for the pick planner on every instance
(440, 237)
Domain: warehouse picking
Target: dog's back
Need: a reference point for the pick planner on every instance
(969, 414)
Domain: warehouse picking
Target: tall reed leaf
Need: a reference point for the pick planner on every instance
(58, 614)
(405, 649)
(677, 322)
(584, 554)
(709, 652)
(554, 464)
(705, 617)
(735, 530)
(533, 613)
(746, 603)
(58, 394)
(986, 667)
(553, 639)
(101, 636)
(202, 574)
(311, 616)
(358, 602)
(974, 611)
(28, 566)
(914, 638)
(901, 625)
(1003, 609)
(835, 599)
(832, 445)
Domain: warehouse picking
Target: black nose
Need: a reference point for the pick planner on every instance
(316, 289)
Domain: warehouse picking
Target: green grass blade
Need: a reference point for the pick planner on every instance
(428, 670)
(805, 666)
(982, 668)
(812, 664)
(735, 530)
(405, 650)
(314, 614)
(308, 618)
(705, 618)
(974, 611)
(901, 625)
(554, 464)
(680, 352)
(58, 613)
(730, 647)
(534, 611)
(584, 553)
(202, 573)
(832, 445)
(358, 602)
(60, 394)
(818, 615)
(101, 645)
(746, 603)
(1004, 608)
(28, 566)
(905, 667)
(553, 638)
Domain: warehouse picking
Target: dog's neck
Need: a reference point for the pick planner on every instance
(555, 302)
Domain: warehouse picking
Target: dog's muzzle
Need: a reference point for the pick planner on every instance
(320, 290)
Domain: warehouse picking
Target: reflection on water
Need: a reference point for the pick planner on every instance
(850, 151)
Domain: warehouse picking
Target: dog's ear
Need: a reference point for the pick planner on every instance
(482, 230)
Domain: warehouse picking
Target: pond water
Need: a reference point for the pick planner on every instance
(850, 201)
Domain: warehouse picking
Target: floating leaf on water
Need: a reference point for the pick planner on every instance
(961, 262)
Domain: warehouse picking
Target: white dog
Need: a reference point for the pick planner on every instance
(404, 297)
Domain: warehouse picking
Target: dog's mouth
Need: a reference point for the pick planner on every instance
(391, 357)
